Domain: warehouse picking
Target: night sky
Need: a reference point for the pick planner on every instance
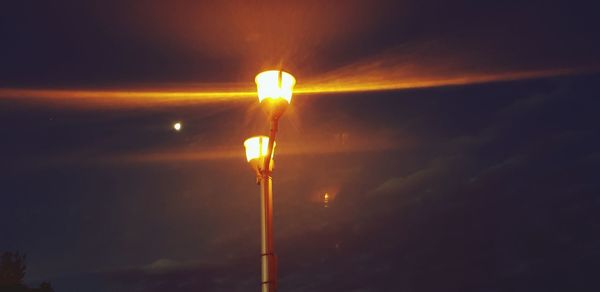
(458, 142)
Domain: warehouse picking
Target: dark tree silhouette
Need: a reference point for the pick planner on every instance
(44, 287)
(12, 269)
(12, 274)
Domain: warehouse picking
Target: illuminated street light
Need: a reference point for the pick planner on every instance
(256, 147)
(274, 90)
(275, 84)
(256, 150)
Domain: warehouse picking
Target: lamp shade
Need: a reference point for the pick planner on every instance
(275, 84)
(256, 147)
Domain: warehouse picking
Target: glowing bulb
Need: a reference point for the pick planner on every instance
(177, 126)
(256, 147)
(275, 84)
(326, 199)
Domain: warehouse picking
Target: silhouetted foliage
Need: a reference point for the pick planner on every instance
(12, 274)
(12, 269)
(44, 287)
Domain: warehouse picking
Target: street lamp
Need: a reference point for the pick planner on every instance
(256, 151)
(274, 90)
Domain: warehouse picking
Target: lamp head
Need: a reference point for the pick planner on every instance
(256, 150)
(274, 89)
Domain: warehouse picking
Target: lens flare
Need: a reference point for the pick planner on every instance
(384, 80)
(367, 78)
(129, 97)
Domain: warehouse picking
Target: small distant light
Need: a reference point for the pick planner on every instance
(177, 126)
(326, 200)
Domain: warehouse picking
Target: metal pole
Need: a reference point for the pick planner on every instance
(263, 238)
(269, 261)
(267, 255)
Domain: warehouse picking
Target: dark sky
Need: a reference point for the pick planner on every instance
(484, 178)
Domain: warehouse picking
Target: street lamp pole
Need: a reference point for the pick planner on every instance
(274, 93)
(268, 259)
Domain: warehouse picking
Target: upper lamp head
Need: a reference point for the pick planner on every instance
(275, 91)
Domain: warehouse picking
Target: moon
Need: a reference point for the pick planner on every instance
(177, 126)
